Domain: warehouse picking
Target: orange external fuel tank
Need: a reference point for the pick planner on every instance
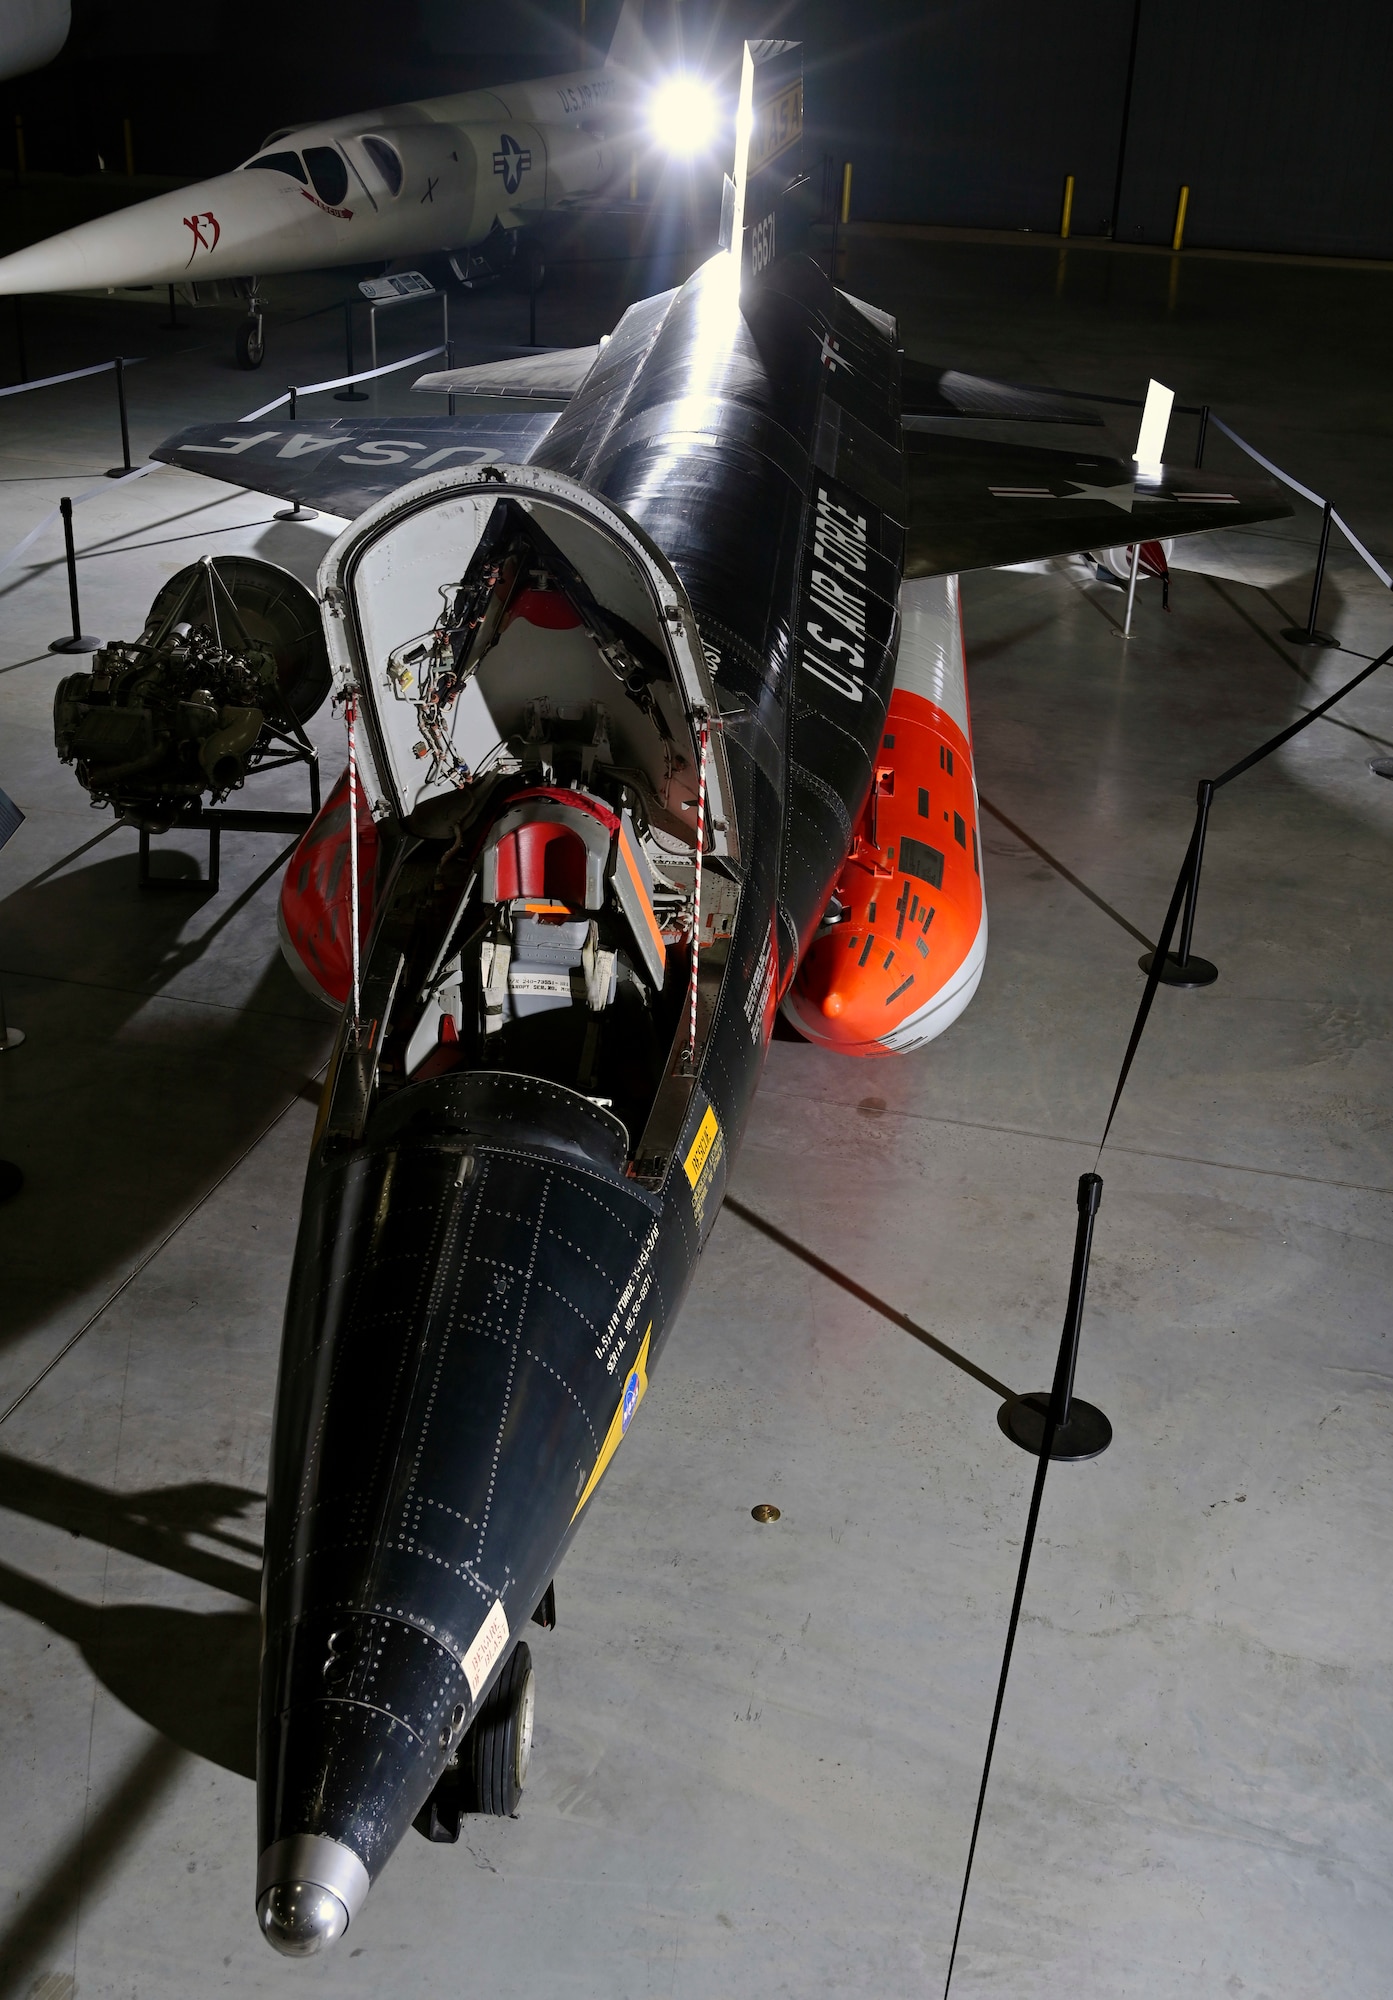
(901, 947)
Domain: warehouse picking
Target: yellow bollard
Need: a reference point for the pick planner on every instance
(130, 149)
(846, 192)
(1181, 205)
(1066, 214)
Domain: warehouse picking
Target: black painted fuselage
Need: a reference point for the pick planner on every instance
(496, 1242)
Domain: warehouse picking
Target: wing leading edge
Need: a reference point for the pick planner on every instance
(976, 505)
(344, 465)
(928, 393)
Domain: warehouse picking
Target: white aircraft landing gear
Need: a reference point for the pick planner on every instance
(490, 1767)
(251, 336)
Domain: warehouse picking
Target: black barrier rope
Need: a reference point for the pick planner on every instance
(1092, 1437)
(1187, 882)
(1056, 1415)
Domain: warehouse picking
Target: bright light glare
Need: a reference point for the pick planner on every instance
(683, 115)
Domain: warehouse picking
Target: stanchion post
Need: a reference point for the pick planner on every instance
(76, 641)
(349, 394)
(171, 325)
(532, 302)
(130, 148)
(372, 332)
(1307, 635)
(19, 339)
(295, 511)
(1132, 589)
(1184, 967)
(1201, 435)
(1074, 1429)
(120, 471)
(449, 364)
(1066, 212)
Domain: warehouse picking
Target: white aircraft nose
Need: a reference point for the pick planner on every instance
(241, 225)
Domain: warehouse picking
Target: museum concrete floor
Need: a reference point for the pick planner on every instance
(758, 1747)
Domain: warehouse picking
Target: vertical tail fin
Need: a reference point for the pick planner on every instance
(766, 201)
(628, 47)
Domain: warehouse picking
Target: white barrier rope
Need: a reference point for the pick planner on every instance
(73, 375)
(1316, 499)
(1359, 549)
(340, 382)
(13, 555)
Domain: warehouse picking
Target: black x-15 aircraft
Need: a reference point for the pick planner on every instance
(620, 670)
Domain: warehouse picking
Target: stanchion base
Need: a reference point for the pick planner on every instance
(76, 642)
(296, 513)
(1297, 635)
(11, 1039)
(119, 471)
(1086, 1435)
(1194, 971)
(351, 396)
(11, 1180)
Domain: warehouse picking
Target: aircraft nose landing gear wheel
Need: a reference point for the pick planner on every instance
(499, 1746)
(251, 342)
(490, 1768)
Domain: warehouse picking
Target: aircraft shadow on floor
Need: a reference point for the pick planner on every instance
(191, 1675)
(121, 1123)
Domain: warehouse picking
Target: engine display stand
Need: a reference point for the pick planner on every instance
(215, 820)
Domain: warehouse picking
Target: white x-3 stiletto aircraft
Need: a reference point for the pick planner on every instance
(459, 175)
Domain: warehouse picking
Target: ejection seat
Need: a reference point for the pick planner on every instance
(551, 864)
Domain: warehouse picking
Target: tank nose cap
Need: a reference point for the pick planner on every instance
(298, 1918)
(309, 1888)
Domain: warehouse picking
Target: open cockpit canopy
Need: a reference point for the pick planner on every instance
(512, 624)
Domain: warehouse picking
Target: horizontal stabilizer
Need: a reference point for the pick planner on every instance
(947, 392)
(345, 464)
(976, 505)
(547, 381)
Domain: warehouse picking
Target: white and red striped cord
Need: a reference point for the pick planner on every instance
(696, 890)
(351, 717)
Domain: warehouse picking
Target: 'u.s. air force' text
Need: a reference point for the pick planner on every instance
(834, 625)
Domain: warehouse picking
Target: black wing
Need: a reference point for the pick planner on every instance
(975, 505)
(344, 464)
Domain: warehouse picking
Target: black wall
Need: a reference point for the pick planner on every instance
(1275, 112)
(1278, 113)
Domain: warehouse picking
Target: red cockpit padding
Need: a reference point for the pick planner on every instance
(552, 610)
(563, 795)
(314, 918)
(542, 859)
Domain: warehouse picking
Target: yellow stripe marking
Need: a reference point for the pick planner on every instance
(635, 1385)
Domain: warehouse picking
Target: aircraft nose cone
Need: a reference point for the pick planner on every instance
(308, 1888)
(299, 1918)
